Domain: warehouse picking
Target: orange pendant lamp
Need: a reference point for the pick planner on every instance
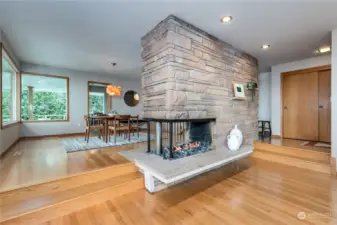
(113, 90)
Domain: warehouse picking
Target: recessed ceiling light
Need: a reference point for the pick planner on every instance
(265, 46)
(324, 49)
(226, 19)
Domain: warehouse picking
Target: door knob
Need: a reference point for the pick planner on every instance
(285, 107)
(321, 107)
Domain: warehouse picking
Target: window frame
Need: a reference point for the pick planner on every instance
(17, 91)
(88, 95)
(50, 76)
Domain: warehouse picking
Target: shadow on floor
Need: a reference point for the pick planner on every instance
(191, 187)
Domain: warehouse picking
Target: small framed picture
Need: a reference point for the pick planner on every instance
(239, 90)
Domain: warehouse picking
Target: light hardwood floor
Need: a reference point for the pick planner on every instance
(251, 191)
(34, 161)
(294, 143)
(292, 153)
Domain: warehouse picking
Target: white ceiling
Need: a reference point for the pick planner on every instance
(89, 35)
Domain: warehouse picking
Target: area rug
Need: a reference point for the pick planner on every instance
(79, 144)
(315, 144)
(305, 143)
(324, 145)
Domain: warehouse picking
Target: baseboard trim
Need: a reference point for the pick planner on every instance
(10, 147)
(65, 135)
(276, 136)
(52, 135)
(333, 166)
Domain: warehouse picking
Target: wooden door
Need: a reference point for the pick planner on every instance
(324, 111)
(300, 106)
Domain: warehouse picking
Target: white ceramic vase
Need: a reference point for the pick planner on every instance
(233, 142)
(236, 131)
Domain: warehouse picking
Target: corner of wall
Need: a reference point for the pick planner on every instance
(334, 94)
(9, 135)
(9, 49)
(264, 98)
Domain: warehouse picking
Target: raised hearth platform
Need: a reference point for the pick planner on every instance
(160, 173)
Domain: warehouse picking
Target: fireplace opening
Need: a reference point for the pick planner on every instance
(180, 138)
(188, 146)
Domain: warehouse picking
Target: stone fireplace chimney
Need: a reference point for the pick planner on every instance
(188, 73)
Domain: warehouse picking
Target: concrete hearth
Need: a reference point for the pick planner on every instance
(160, 173)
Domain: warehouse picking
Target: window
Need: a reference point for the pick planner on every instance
(98, 99)
(9, 79)
(44, 98)
(96, 102)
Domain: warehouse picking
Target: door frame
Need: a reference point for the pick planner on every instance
(295, 72)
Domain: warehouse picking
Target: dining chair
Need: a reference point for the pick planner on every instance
(117, 127)
(135, 124)
(93, 124)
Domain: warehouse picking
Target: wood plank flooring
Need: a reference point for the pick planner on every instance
(53, 205)
(295, 152)
(291, 152)
(18, 196)
(34, 161)
(251, 191)
(293, 143)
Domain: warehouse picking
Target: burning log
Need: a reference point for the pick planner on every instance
(186, 146)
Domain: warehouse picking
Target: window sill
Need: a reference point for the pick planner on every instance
(44, 121)
(6, 125)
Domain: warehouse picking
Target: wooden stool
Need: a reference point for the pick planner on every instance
(264, 127)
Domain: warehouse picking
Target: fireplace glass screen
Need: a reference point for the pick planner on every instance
(177, 138)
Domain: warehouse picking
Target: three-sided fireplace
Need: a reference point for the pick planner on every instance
(177, 138)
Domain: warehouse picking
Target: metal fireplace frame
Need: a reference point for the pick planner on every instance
(170, 128)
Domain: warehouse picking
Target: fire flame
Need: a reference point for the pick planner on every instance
(186, 146)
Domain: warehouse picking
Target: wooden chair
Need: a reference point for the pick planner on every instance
(135, 124)
(91, 125)
(117, 127)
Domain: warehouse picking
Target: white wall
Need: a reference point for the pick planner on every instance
(264, 98)
(276, 85)
(334, 94)
(78, 105)
(10, 134)
(9, 49)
